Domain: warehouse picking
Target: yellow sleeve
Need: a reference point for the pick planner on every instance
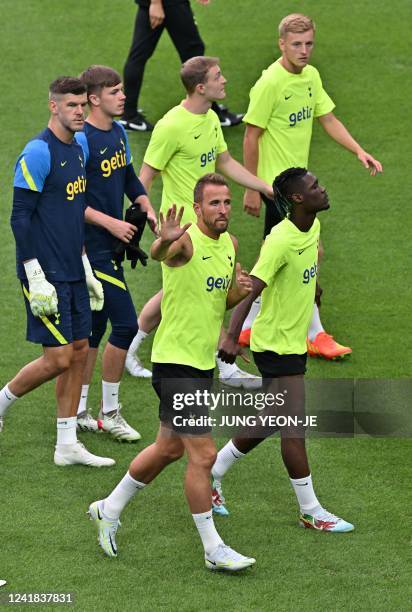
(324, 104)
(272, 257)
(221, 143)
(262, 99)
(162, 146)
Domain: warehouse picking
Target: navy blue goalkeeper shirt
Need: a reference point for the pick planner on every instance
(110, 176)
(48, 207)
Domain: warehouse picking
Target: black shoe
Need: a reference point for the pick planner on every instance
(138, 123)
(227, 119)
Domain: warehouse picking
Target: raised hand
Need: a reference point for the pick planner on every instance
(170, 229)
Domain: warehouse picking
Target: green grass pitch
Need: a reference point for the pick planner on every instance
(46, 542)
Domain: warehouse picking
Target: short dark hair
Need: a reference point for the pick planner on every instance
(194, 71)
(208, 179)
(96, 77)
(65, 85)
(286, 183)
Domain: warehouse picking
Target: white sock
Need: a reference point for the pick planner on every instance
(207, 531)
(315, 326)
(6, 400)
(252, 314)
(307, 500)
(83, 399)
(225, 369)
(226, 457)
(136, 342)
(121, 495)
(66, 430)
(110, 396)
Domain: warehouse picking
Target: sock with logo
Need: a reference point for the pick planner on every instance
(66, 430)
(110, 396)
(6, 400)
(207, 531)
(127, 488)
(252, 314)
(226, 457)
(307, 500)
(315, 326)
(83, 399)
(137, 341)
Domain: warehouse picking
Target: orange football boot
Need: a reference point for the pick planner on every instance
(325, 346)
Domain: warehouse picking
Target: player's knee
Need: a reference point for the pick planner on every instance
(122, 335)
(59, 360)
(80, 350)
(205, 460)
(170, 452)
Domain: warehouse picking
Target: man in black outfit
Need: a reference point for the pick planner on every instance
(153, 16)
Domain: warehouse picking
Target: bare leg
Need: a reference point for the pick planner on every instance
(54, 361)
(113, 363)
(201, 453)
(90, 365)
(166, 449)
(68, 384)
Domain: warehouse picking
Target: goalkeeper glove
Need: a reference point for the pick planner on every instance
(43, 296)
(137, 217)
(94, 286)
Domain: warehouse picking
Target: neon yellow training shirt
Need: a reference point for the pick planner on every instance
(194, 303)
(184, 146)
(284, 105)
(288, 265)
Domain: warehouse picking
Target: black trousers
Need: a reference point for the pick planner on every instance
(180, 23)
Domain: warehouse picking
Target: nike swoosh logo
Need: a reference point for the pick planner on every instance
(212, 562)
(209, 257)
(196, 137)
(287, 97)
(302, 485)
(102, 151)
(3, 582)
(63, 163)
(300, 252)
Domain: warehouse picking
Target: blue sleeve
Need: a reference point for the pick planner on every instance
(81, 139)
(133, 188)
(33, 166)
(129, 156)
(24, 204)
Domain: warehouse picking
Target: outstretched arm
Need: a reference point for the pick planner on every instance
(235, 171)
(341, 135)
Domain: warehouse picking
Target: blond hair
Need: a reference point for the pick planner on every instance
(194, 71)
(296, 23)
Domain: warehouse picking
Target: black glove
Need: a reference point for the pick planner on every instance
(137, 217)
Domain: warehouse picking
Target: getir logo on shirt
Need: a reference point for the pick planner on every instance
(309, 273)
(75, 187)
(118, 160)
(218, 283)
(304, 113)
